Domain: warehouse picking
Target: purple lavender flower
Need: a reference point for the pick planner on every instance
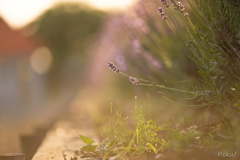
(113, 67)
(160, 93)
(118, 70)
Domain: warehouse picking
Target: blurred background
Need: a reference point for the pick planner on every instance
(52, 51)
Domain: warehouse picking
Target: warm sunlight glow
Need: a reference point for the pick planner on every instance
(107, 4)
(20, 12)
(41, 60)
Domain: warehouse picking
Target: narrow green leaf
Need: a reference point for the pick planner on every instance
(112, 142)
(86, 139)
(153, 148)
(103, 142)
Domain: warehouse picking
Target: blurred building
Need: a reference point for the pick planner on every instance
(21, 88)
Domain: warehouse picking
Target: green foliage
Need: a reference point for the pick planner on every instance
(210, 34)
(149, 140)
(212, 42)
(86, 140)
(123, 141)
(215, 31)
(214, 46)
(67, 29)
(154, 50)
(89, 148)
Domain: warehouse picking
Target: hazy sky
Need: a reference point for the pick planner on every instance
(18, 13)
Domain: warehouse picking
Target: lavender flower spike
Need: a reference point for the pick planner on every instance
(160, 93)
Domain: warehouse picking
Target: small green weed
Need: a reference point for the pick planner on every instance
(147, 139)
